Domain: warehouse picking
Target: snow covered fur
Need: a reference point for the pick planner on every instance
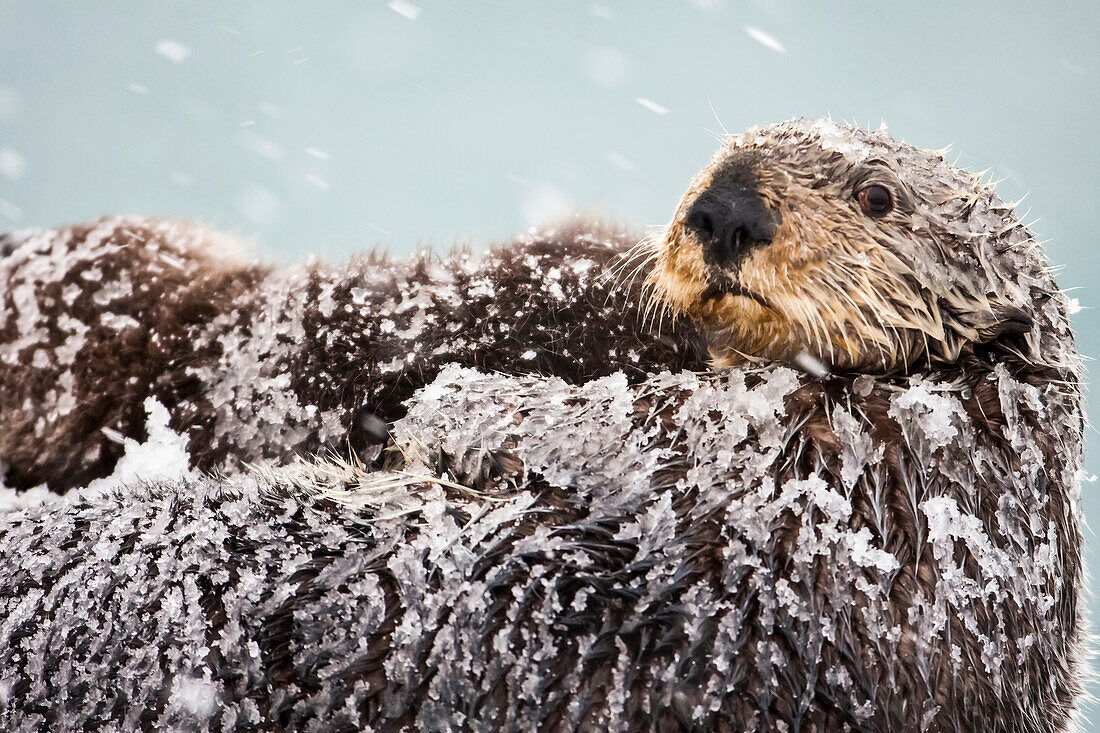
(258, 364)
(744, 550)
(554, 516)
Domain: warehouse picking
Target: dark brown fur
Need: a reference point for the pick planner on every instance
(307, 552)
(593, 329)
(115, 370)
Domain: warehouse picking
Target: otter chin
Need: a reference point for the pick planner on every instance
(810, 238)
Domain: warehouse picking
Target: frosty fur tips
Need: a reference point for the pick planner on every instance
(255, 364)
(737, 551)
(812, 239)
(592, 537)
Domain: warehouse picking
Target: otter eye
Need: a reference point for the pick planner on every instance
(875, 200)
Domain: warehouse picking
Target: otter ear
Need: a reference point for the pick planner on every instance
(1004, 320)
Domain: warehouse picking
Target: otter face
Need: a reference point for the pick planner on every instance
(809, 238)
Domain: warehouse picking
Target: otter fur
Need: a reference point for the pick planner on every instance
(889, 540)
(744, 550)
(256, 364)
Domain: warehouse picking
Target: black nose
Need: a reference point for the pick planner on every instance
(730, 224)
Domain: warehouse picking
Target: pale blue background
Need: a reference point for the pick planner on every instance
(475, 119)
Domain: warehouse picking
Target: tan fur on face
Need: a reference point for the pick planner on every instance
(852, 291)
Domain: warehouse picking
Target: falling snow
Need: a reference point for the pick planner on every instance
(765, 39)
(405, 8)
(652, 106)
(174, 51)
(259, 205)
(620, 161)
(12, 164)
(608, 67)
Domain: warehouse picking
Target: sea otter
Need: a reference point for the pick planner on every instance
(255, 363)
(885, 538)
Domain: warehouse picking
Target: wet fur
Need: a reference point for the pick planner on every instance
(487, 581)
(980, 630)
(918, 288)
(256, 364)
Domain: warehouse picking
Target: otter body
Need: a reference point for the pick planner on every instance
(255, 364)
(890, 541)
(735, 551)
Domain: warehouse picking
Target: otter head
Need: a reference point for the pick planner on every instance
(810, 238)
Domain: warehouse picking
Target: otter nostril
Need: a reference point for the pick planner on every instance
(701, 222)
